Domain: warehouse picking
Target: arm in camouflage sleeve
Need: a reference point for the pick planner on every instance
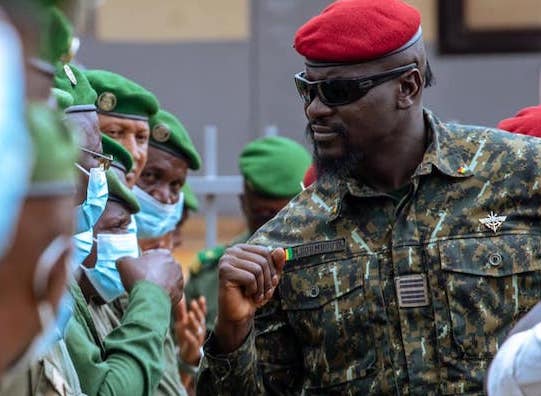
(130, 359)
(269, 362)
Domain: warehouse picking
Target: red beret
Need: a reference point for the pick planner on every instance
(310, 176)
(526, 122)
(350, 31)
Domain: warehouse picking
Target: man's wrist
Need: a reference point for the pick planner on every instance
(231, 335)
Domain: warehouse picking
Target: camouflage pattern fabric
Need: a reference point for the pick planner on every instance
(423, 291)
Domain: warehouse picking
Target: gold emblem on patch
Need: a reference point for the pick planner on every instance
(107, 101)
(161, 133)
(493, 222)
(70, 75)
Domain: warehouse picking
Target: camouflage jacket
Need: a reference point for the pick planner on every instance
(408, 298)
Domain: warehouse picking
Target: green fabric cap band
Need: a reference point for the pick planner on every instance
(167, 133)
(120, 97)
(63, 98)
(274, 166)
(190, 200)
(121, 192)
(121, 156)
(55, 152)
(70, 79)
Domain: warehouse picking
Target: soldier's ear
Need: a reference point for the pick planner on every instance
(410, 89)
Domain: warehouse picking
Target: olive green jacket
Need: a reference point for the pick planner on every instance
(129, 360)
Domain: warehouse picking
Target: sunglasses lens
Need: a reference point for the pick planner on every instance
(304, 90)
(339, 92)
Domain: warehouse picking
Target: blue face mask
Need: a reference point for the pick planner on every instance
(155, 219)
(82, 245)
(14, 139)
(88, 213)
(104, 276)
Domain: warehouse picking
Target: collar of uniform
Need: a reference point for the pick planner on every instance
(444, 151)
(327, 195)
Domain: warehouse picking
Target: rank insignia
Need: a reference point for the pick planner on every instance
(161, 133)
(107, 101)
(315, 248)
(493, 221)
(70, 75)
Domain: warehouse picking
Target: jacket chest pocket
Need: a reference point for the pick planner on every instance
(490, 282)
(326, 307)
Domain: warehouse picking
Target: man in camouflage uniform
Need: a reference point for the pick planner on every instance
(402, 268)
(272, 169)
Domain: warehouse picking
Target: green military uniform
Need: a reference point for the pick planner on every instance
(273, 167)
(108, 317)
(410, 296)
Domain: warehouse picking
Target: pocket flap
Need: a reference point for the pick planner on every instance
(496, 256)
(317, 285)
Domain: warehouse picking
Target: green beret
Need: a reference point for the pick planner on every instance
(167, 133)
(121, 157)
(55, 152)
(190, 200)
(70, 79)
(120, 192)
(56, 37)
(120, 97)
(274, 166)
(63, 98)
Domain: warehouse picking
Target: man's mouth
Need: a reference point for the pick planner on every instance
(323, 134)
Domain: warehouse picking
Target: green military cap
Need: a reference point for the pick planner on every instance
(274, 166)
(70, 79)
(167, 133)
(56, 36)
(120, 192)
(63, 98)
(121, 97)
(55, 152)
(122, 159)
(190, 200)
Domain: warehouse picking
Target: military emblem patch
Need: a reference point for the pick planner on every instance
(315, 248)
(493, 222)
(412, 291)
(161, 133)
(107, 101)
(70, 75)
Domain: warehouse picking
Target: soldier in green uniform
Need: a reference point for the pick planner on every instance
(272, 169)
(403, 267)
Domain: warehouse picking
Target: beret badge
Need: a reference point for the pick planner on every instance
(161, 133)
(107, 101)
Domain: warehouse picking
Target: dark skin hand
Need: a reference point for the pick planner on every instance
(133, 135)
(248, 276)
(155, 266)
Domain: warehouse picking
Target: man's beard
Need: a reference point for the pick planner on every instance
(346, 166)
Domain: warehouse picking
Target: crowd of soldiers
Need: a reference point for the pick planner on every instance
(403, 257)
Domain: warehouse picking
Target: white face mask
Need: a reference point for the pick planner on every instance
(41, 343)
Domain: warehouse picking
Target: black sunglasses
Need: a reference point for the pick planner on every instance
(342, 91)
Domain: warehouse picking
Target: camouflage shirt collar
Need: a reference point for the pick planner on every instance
(448, 155)
(444, 152)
